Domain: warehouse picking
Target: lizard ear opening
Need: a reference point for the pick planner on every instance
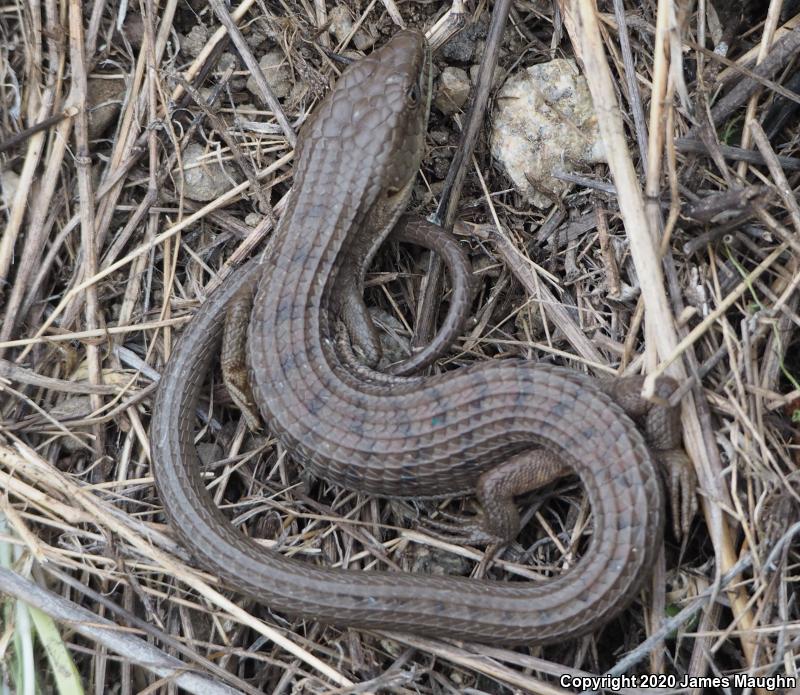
(413, 94)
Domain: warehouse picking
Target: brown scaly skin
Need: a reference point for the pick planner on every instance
(392, 436)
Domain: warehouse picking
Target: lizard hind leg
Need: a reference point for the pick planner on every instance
(497, 521)
(662, 429)
(235, 372)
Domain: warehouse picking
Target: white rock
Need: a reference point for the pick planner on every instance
(340, 22)
(253, 219)
(544, 119)
(9, 182)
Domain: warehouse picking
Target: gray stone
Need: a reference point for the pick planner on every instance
(276, 71)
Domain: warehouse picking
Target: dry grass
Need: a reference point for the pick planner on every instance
(681, 257)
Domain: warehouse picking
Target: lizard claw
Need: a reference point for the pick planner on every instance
(458, 529)
(682, 486)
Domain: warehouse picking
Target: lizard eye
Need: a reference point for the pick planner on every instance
(413, 94)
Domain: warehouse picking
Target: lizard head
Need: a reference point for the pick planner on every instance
(376, 116)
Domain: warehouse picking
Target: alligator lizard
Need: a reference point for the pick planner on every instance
(395, 436)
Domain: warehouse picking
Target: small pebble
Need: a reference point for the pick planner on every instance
(452, 90)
